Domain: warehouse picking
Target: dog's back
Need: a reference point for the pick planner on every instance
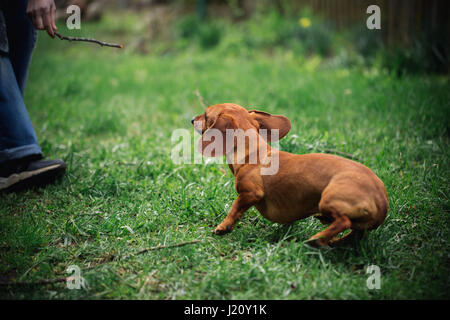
(298, 187)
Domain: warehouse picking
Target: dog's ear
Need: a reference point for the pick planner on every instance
(213, 140)
(271, 122)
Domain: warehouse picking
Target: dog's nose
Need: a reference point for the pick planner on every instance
(192, 120)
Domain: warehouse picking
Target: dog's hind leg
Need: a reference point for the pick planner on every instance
(340, 223)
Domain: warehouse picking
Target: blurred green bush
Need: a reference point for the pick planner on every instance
(422, 56)
(306, 35)
(192, 30)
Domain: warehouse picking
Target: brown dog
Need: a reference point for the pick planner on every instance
(347, 194)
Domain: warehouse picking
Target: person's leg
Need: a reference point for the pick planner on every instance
(20, 154)
(17, 136)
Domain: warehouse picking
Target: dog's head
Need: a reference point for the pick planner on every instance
(220, 119)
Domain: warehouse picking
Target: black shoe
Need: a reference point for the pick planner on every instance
(29, 173)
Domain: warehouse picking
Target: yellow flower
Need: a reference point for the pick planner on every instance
(304, 22)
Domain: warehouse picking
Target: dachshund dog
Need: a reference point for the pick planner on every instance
(341, 193)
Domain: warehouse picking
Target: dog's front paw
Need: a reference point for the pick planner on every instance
(222, 229)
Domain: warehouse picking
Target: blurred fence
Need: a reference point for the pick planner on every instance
(402, 20)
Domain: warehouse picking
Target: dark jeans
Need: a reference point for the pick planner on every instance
(17, 136)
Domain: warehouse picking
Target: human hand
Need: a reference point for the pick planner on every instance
(42, 13)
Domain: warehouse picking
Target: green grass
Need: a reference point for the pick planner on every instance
(110, 115)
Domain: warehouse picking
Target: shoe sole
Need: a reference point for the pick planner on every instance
(32, 179)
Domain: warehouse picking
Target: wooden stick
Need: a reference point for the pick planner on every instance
(35, 283)
(160, 247)
(111, 259)
(60, 36)
(56, 280)
(200, 98)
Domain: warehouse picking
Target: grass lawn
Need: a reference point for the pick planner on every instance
(110, 115)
